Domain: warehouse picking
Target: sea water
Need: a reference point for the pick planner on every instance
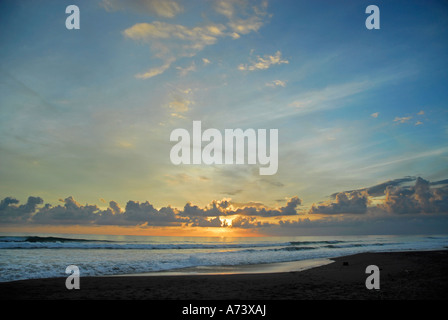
(26, 256)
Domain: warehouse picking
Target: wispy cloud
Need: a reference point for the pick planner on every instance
(184, 71)
(192, 40)
(276, 83)
(170, 42)
(162, 8)
(152, 72)
(180, 101)
(263, 63)
(423, 154)
(243, 18)
(402, 119)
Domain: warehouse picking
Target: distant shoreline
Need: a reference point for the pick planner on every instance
(417, 275)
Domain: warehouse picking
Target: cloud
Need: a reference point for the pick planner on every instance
(212, 210)
(154, 71)
(399, 198)
(244, 16)
(6, 202)
(393, 198)
(70, 213)
(180, 101)
(180, 104)
(405, 158)
(375, 115)
(379, 189)
(327, 98)
(262, 211)
(435, 183)
(245, 26)
(346, 202)
(362, 224)
(11, 213)
(190, 40)
(229, 208)
(204, 222)
(276, 83)
(135, 213)
(170, 42)
(420, 198)
(248, 222)
(421, 113)
(263, 63)
(402, 119)
(184, 71)
(162, 8)
(226, 8)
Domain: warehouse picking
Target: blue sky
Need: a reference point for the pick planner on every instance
(87, 113)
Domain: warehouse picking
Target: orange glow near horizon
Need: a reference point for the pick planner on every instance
(143, 230)
(137, 231)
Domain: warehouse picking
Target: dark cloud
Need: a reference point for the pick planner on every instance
(423, 199)
(204, 222)
(420, 198)
(261, 211)
(135, 213)
(10, 212)
(363, 224)
(435, 183)
(228, 208)
(379, 189)
(214, 209)
(248, 222)
(345, 202)
(70, 213)
(4, 204)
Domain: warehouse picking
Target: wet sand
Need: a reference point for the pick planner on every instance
(403, 276)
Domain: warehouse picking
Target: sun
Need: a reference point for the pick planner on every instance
(226, 222)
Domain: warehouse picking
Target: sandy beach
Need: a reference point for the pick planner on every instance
(403, 276)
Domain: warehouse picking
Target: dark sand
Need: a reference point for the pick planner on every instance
(403, 275)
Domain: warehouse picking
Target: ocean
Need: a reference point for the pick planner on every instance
(27, 256)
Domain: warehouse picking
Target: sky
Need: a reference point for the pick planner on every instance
(86, 116)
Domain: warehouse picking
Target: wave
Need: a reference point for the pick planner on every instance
(46, 239)
(39, 242)
(316, 242)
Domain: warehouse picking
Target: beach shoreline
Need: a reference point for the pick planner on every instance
(265, 268)
(415, 275)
